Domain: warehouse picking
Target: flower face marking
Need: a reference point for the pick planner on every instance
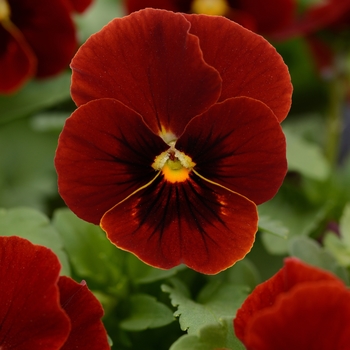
(174, 143)
(210, 7)
(175, 165)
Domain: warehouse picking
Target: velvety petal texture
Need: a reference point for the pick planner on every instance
(293, 308)
(241, 151)
(37, 39)
(197, 223)
(160, 79)
(39, 309)
(31, 316)
(105, 154)
(175, 139)
(85, 313)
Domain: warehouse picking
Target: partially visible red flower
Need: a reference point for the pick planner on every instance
(176, 138)
(263, 17)
(301, 307)
(39, 309)
(37, 39)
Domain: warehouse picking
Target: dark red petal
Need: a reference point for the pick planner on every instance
(264, 295)
(248, 64)
(149, 62)
(269, 15)
(135, 5)
(85, 313)
(194, 222)
(239, 144)
(311, 316)
(30, 313)
(49, 30)
(17, 61)
(105, 153)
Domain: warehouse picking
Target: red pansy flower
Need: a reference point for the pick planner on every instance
(39, 309)
(300, 307)
(264, 17)
(37, 39)
(176, 138)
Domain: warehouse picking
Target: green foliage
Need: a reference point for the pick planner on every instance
(215, 301)
(31, 224)
(146, 312)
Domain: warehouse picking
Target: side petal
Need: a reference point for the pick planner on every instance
(247, 63)
(105, 152)
(265, 294)
(309, 317)
(49, 30)
(239, 144)
(17, 61)
(194, 222)
(135, 5)
(85, 313)
(149, 62)
(30, 313)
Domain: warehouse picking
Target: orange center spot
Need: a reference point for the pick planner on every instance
(173, 171)
(210, 7)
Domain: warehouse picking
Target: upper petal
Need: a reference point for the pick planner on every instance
(49, 30)
(265, 295)
(239, 144)
(149, 62)
(30, 313)
(310, 317)
(17, 61)
(194, 222)
(247, 63)
(105, 152)
(85, 313)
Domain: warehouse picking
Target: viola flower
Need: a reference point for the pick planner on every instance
(39, 309)
(176, 138)
(300, 307)
(37, 39)
(263, 17)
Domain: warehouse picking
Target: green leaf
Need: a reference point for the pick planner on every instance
(146, 312)
(36, 227)
(211, 337)
(274, 227)
(35, 96)
(91, 254)
(28, 177)
(312, 253)
(140, 273)
(306, 157)
(344, 225)
(216, 300)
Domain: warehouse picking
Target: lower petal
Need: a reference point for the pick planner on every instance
(194, 222)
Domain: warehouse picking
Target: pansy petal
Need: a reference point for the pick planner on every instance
(269, 15)
(309, 317)
(149, 62)
(135, 5)
(239, 144)
(105, 153)
(17, 61)
(30, 313)
(293, 273)
(194, 222)
(85, 313)
(49, 30)
(247, 63)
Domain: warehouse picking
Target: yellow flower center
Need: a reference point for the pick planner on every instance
(175, 165)
(4, 10)
(210, 7)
